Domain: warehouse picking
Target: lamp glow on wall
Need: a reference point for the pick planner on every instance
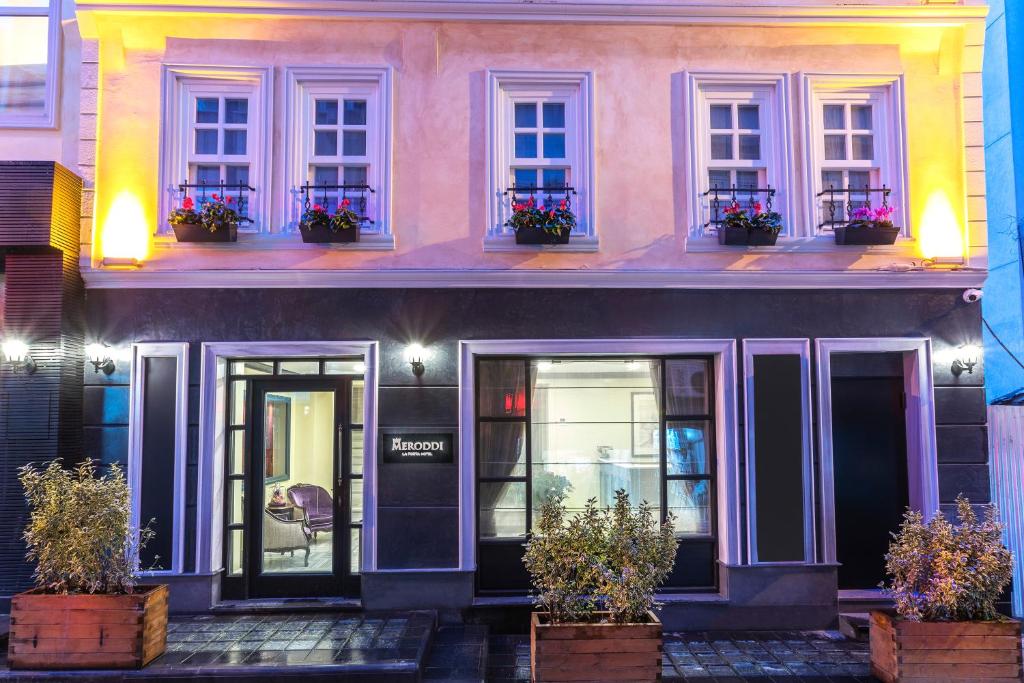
(15, 352)
(965, 358)
(941, 236)
(100, 357)
(124, 237)
(416, 355)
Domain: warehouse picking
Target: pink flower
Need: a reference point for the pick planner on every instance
(229, 199)
(561, 205)
(540, 208)
(531, 203)
(733, 208)
(345, 203)
(188, 204)
(216, 197)
(757, 207)
(317, 207)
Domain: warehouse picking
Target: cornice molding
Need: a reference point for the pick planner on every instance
(541, 279)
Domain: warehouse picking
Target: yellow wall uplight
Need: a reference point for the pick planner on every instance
(125, 232)
(941, 236)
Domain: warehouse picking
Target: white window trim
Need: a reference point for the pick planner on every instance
(767, 347)
(726, 424)
(892, 132)
(212, 416)
(922, 460)
(174, 123)
(136, 403)
(48, 117)
(296, 130)
(498, 154)
(779, 150)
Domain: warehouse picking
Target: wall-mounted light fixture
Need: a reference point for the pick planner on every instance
(16, 353)
(99, 355)
(416, 355)
(964, 359)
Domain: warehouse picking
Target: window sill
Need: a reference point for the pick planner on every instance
(276, 241)
(578, 244)
(803, 245)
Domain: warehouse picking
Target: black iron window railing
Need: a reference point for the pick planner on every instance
(839, 205)
(330, 197)
(549, 196)
(747, 198)
(235, 195)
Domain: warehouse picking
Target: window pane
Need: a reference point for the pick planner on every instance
(325, 175)
(235, 552)
(832, 180)
(750, 147)
(835, 116)
(23, 56)
(554, 145)
(355, 112)
(299, 367)
(252, 367)
(357, 449)
(747, 179)
(687, 388)
(358, 394)
(236, 508)
(325, 143)
(719, 179)
(526, 115)
(860, 179)
(355, 175)
(861, 115)
(525, 177)
(686, 444)
(721, 147)
(554, 115)
(750, 116)
(234, 141)
(327, 112)
(554, 177)
(236, 110)
(835, 147)
(526, 146)
(721, 116)
(356, 488)
(237, 175)
(502, 509)
(502, 449)
(206, 141)
(502, 388)
(353, 143)
(863, 147)
(356, 551)
(690, 502)
(236, 461)
(238, 402)
(207, 110)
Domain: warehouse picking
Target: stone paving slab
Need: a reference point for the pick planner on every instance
(268, 647)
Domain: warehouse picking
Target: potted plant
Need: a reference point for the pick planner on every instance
(868, 226)
(216, 220)
(535, 224)
(753, 228)
(86, 610)
(319, 226)
(945, 580)
(595, 576)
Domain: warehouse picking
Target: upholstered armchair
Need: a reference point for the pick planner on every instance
(284, 535)
(316, 504)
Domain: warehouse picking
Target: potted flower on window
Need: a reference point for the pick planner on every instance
(87, 609)
(216, 221)
(749, 227)
(868, 226)
(945, 580)
(319, 226)
(537, 224)
(595, 576)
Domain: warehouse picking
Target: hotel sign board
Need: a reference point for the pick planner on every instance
(422, 447)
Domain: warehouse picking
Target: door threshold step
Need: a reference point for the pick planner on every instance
(855, 625)
(289, 605)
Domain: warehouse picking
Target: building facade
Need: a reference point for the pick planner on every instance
(379, 420)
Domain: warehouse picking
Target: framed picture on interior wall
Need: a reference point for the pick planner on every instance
(278, 438)
(645, 419)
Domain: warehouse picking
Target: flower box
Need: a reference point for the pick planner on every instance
(738, 236)
(197, 232)
(574, 652)
(533, 234)
(864, 235)
(318, 233)
(83, 631)
(903, 651)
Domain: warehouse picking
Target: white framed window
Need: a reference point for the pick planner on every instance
(29, 63)
(540, 143)
(216, 139)
(740, 142)
(855, 137)
(339, 145)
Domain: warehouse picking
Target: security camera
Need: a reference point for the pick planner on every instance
(972, 295)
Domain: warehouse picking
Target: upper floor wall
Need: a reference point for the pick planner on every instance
(436, 115)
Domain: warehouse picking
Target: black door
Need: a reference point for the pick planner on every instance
(870, 474)
(299, 541)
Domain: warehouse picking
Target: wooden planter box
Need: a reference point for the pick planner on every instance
(322, 234)
(195, 232)
(87, 631)
(594, 652)
(535, 235)
(741, 237)
(864, 236)
(915, 652)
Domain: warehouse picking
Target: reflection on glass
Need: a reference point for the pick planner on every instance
(237, 502)
(502, 388)
(687, 388)
(355, 551)
(357, 450)
(298, 465)
(238, 402)
(343, 367)
(300, 367)
(502, 449)
(237, 460)
(687, 448)
(252, 367)
(690, 502)
(502, 509)
(358, 389)
(356, 486)
(235, 552)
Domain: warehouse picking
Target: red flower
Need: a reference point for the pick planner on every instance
(561, 205)
(552, 214)
(229, 199)
(531, 203)
(216, 197)
(541, 207)
(733, 208)
(187, 204)
(757, 207)
(317, 207)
